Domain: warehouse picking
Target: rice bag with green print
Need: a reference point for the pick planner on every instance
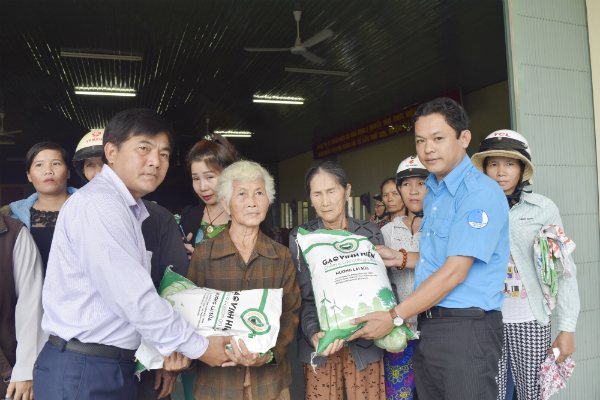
(250, 315)
(349, 280)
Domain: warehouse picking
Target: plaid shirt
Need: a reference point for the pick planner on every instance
(217, 264)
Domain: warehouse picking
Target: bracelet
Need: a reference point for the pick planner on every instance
(400, 268)
(270, 358)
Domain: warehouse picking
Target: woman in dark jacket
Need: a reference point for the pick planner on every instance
(359, 365)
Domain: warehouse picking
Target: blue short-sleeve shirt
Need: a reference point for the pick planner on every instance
(466, 214)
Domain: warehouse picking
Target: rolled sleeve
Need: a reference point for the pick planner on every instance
(480, 220)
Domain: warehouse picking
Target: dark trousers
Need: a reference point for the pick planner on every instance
(60, 374)
(457, 358)
(146, 389)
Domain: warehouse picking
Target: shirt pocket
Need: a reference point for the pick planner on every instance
(440, 230)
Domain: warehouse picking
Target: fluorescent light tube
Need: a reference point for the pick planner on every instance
(104, 91)
(258, 98)
(100, 56)
(234, 133)
(317, 71)
(277, 101)
(90, 93)
(230, 135)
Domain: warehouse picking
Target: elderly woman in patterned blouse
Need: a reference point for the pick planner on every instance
(241, 257)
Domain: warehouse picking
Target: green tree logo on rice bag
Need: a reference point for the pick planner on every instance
(346, 245)
(255, 319)
(349, 280)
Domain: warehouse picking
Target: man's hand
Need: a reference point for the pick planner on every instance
(241, 356)
(176, 362)
(565, 342)
(331, 349)
(378, 324)
(215, 353)
(169, 380)
(20, 390)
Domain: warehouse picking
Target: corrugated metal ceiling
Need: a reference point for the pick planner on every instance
(397, 52)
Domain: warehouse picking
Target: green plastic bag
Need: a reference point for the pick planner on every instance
(397, 339)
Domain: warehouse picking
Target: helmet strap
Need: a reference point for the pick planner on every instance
(516, 195)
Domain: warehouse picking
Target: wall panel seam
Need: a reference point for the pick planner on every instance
(551, 20)
(557, 68)
(559, 116)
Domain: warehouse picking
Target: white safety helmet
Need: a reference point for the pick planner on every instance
(409, 168)
(505, 143)
(90, 146)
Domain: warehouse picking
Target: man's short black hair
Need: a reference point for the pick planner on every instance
(135, 122)
(455, 115)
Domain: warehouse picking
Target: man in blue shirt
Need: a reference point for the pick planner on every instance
(459, 272)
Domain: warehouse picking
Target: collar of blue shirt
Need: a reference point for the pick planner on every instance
(454, 178)
(137, 206)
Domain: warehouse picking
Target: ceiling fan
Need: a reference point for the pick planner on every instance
(207, 130)
(5, 137)
(301, 47)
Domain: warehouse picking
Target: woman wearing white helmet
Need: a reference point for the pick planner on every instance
(88, 155)
(505, 156)
(403, 234)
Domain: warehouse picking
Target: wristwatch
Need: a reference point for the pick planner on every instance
(397, 319)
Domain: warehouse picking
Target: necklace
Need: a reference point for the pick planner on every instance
(211, 228)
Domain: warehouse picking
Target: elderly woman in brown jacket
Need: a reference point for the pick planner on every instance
(241, 258)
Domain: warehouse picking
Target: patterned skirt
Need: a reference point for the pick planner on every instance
(399, 378)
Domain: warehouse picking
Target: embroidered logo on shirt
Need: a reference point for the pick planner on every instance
(477, 219)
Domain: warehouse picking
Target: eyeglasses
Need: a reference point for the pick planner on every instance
(379, 205)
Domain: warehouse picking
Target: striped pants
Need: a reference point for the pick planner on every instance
(526, 345)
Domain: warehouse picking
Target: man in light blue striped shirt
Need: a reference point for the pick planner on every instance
(98, 296)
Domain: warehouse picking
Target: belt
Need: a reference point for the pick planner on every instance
(443, 312)
(94, 349)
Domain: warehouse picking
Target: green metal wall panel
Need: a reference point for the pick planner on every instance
(552, 107)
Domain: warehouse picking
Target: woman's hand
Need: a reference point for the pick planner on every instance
(391, 258)
(242, 356)
(168, 380)
(373, 217)
(331, 349)
(565, 342)
(378, 324)
(176, 362)
(188, 247)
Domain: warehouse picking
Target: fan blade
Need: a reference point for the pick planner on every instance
(261, 49)
(11, 132)
(312, 57)
(318, 38)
